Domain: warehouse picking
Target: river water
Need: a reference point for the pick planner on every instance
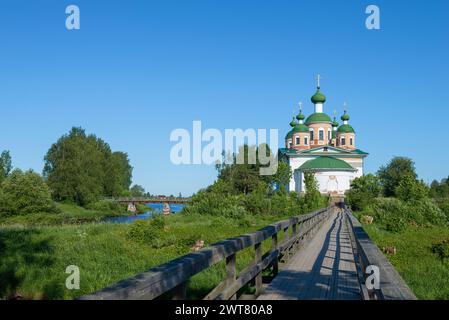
(157, 208)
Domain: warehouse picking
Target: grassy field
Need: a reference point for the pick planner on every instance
(423, 270)
(34, 258)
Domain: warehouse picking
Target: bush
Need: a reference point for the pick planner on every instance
(395, 214)
(426, 212)
(391, 213)
(363, 190)
(150, 232)
(211, 203)
(410, 188)
(441, 249)
(107, 206)
(443, 204)
(25, 193)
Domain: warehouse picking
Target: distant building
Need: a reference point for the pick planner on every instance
(322, 146)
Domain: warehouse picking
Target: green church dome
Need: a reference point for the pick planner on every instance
(300, 128)
(318, 97)
(318, 117)
(345, 117)
(293, 123)
(300, 116)
(326, 163)
(345, 128)
(334, 123)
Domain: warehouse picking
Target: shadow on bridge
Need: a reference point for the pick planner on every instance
(332, 276)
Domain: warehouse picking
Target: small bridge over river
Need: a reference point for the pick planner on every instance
(144, 200)
(321, 255)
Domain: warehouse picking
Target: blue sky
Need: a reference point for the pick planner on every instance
(136, 70)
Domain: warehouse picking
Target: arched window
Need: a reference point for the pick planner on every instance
(321, 134)
(350, 141)
(311, 135)
(297, 140)
(343, 141)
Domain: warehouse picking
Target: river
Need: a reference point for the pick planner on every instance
(157, 208)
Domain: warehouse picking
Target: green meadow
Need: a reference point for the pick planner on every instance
(34, 259)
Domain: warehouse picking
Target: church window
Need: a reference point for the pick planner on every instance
(311, 135)
(321, 134)
(343, 141)
(350, 141)
(297, 140)
(305, 140)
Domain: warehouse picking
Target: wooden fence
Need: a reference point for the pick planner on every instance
(171, 278)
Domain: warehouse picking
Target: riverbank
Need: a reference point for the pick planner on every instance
(68, 214)
(34, 258)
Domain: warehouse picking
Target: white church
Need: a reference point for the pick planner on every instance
(322, 146)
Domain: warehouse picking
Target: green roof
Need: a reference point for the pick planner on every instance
(318, 117)
(326, 163)
(334, 123)
(345, 128)
(318, 97)
(300, 128)
(289, 134)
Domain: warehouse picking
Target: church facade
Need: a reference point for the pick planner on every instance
(321, 145)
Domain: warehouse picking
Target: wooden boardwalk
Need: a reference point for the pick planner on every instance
(324, 269)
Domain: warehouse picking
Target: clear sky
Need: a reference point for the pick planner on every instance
(136, 70)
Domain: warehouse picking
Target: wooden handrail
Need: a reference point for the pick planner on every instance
(173, 275)
(392, 286)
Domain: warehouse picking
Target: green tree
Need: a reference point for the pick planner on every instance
(119, 177)
(283, 175)
(5, 165)
(312, 197)
(396, 170)
(137, 191)
(410, 188)
(363, 190)
(23, 193)
(82, 168)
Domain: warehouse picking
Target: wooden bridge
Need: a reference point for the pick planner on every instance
(144, 200)
(322, 255)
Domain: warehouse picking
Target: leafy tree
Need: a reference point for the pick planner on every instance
(363, 190)
(137, 191)
(82, 168)
(119, 174)
(5, 165)
(410, 188)
(391, 175)
(23, 193)
(440, 189)
(312, 197)
(283, 175)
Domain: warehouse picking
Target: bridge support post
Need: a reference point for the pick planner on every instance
(180, 291)
(231, 272)
(258, 258)
(274, 246)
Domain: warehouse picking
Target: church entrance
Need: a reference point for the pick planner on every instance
(332, 185)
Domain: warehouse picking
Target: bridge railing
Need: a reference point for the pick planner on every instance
(172, 277)
(392, 286)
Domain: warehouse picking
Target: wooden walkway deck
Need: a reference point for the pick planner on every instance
(324, 269)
